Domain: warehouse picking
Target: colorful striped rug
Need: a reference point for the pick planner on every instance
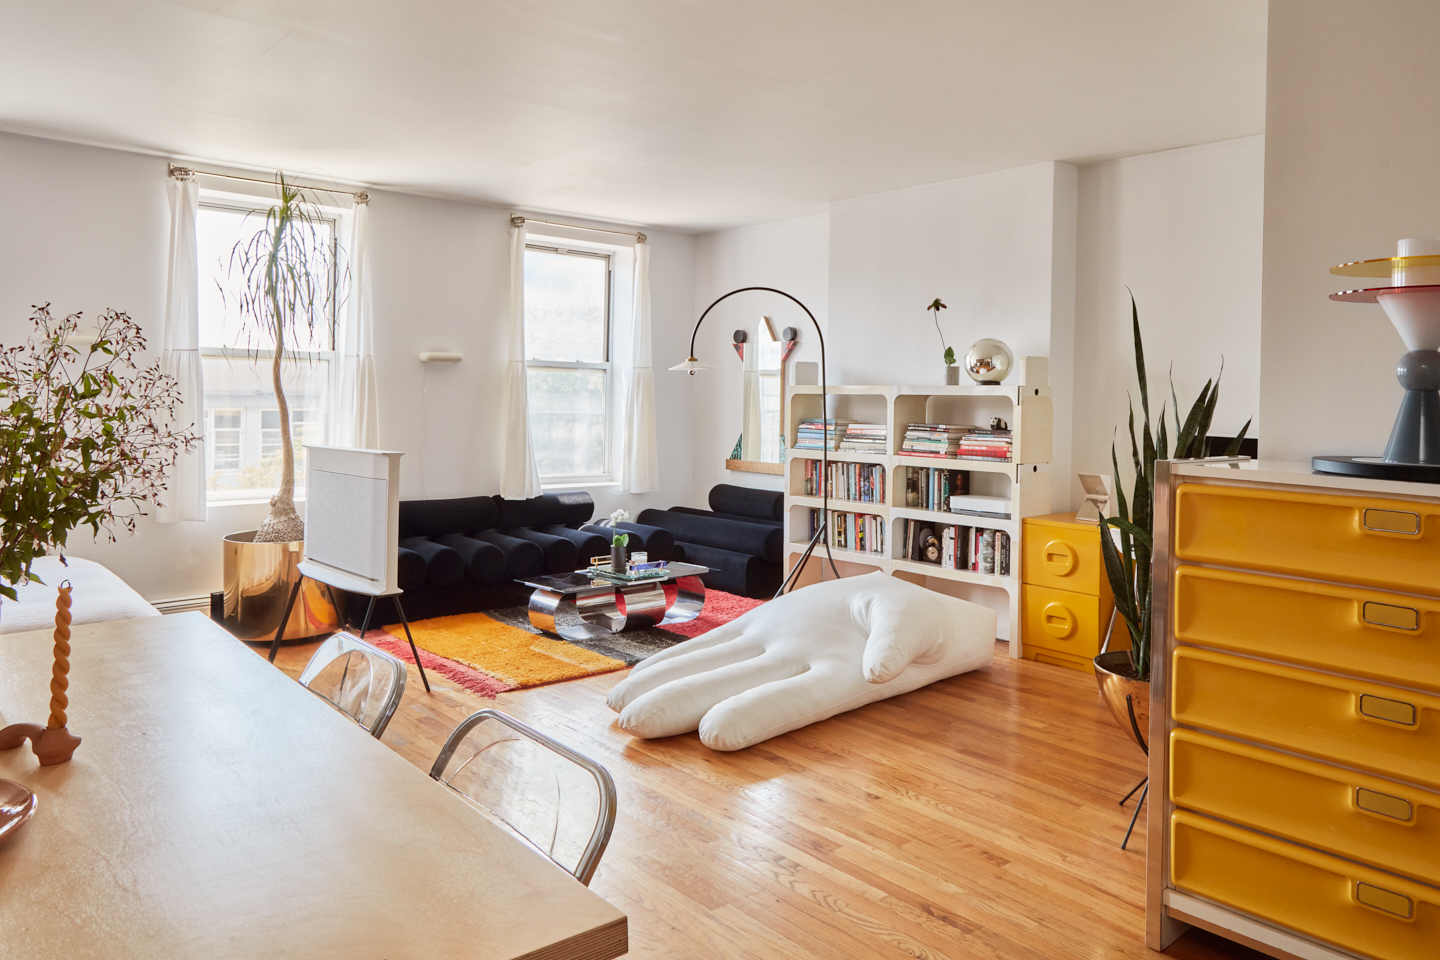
(489, 653)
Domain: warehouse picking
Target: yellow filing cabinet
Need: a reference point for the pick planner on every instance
(1297, 655)
(1065, 597)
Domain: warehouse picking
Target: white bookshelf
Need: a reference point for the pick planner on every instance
(1025, 405)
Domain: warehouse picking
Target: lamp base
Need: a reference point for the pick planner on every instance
(1376, 468)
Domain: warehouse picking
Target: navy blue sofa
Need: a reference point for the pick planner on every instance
(741, 538)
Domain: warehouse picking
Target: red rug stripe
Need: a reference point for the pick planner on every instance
(720, 608)
(468, 677)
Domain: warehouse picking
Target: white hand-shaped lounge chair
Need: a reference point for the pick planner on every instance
(806, 656)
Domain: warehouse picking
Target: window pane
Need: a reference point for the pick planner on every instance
(244, 423)
(218, 230)
(566, 307)
(567, 421)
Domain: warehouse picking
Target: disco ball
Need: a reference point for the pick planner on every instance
(989, 361)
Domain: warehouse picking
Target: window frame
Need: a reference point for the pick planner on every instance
(607, 365)
(335, 218)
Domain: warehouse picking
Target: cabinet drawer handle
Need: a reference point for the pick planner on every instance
(1059, 557)
(1057, 620)
(1389, 615)
(1395, 711)
(1396, 808)
(1383, 900)
(1392, 521)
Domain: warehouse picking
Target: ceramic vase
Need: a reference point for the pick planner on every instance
(617, 557)
(952, 375)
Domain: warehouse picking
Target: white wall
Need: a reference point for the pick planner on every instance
(791, 255)
(998, 249)
(1182, 229)
(1351, 142)
(86, 228)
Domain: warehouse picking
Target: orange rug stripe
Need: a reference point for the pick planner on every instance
(514, 655)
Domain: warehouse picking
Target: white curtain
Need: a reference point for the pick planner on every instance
(642, 456)
(355, 412)
(180, 354)
(519, 479)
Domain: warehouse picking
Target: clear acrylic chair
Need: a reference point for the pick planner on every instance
(361, 681)
(560, 802)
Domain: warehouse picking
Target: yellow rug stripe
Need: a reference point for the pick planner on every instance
(503, 651)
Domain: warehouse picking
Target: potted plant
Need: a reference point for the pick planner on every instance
(618, 541)
(952, 374)
(86, 437)
(1124, 675)
(286, 278)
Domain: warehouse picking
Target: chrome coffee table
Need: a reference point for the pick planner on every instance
(594, 601)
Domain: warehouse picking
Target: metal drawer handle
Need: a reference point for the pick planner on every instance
(1389, 615)
(1385, 805)
(1383, 900)
(1395, 711)
(1392, 521)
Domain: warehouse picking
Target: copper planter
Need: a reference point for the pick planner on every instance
(259, 578)
(1113, 674)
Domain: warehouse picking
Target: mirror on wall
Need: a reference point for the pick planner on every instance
(763, 352)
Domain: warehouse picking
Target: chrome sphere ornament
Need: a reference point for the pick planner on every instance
(989, 361)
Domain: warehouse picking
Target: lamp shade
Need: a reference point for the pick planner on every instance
(691, 365)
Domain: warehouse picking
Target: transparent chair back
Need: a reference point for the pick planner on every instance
(559, 801)
(359, 680)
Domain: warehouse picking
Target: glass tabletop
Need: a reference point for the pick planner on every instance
(581, 583)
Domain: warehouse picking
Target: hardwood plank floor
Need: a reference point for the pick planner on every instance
(975, 818)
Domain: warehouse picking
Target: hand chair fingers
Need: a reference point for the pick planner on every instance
(783, 705)
(712, 638)
(678, 706)
(692, 661)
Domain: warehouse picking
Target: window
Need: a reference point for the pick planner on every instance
(567, 349)
(243, 425)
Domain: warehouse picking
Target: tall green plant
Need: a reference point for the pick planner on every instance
(1128, 566)
(287, 276)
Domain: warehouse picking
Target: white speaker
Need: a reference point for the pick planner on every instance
(352, 519)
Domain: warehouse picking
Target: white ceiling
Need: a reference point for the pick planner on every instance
(685, 113)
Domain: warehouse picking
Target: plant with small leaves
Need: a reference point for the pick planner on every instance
(1128, 565)
(937, 306)
(86, 437)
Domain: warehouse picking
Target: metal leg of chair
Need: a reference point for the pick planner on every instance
(1133, 791)
(401, 610)
(365, 624)
(284, 619)
(1136, 815)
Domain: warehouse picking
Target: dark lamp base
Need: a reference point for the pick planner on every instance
(1377, 469)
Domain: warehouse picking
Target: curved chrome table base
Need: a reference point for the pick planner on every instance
(600, 614)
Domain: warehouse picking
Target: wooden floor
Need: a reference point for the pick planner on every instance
(976, 817)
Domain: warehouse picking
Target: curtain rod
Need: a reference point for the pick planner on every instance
(518, 221)
(186, 173)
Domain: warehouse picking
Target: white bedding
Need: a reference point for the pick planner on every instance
(97, 596)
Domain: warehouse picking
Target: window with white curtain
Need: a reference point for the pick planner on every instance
(243, 430)
(568, 348)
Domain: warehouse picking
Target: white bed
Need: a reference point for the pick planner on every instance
(97, 596)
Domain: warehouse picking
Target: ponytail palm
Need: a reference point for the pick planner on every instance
(287, 274)
(1128, 565)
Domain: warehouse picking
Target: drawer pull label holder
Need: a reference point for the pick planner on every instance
(1385, 901)
(1392, 521)
(1394, 711)
(1385, 805)
(1389, 615)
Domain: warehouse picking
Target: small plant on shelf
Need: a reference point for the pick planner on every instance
(937, 306)
(1128, 564)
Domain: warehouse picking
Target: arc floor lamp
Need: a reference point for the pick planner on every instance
(692, 364)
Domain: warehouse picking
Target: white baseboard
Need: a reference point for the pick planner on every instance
(184, 604)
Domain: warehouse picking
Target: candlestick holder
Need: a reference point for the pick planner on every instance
(52, 743)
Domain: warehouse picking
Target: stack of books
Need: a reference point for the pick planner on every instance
(861, 532)
(976, 549)
(864, 482)
(982, 444)
(933, 439)
(865, 438)
(816, 434)
(932, 488)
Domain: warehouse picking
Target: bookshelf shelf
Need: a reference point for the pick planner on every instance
(1025, 405)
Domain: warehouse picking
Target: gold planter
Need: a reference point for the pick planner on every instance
(258, 580)
(1114, 674)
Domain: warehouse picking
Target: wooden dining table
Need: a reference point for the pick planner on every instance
(217, 809)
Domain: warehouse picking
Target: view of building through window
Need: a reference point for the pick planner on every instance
(242, 428)
(567, 346)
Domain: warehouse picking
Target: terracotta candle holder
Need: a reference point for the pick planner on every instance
(52, 743)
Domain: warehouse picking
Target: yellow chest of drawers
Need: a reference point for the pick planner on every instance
(1297, 657)
(1065, 598)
